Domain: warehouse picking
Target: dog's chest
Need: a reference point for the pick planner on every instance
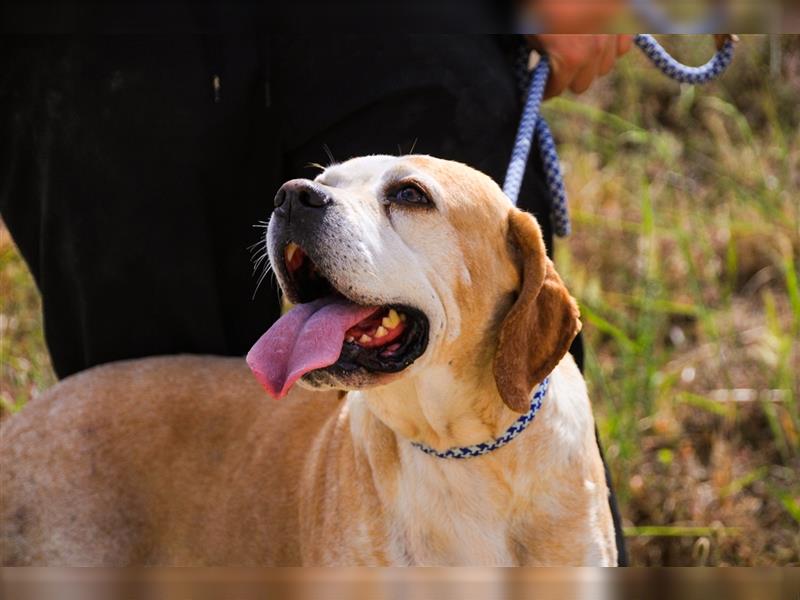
(449, 542)
(452, 518)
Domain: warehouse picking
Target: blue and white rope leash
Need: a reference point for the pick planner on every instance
(486, 447)
(533, 127)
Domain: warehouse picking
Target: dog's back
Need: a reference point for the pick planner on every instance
(109, 465)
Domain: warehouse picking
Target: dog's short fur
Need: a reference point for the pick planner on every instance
(185, 460)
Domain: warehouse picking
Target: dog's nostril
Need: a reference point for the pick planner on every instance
(313, 197)
(303, 193)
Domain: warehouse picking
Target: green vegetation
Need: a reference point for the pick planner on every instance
(24, 364)
(686, 206)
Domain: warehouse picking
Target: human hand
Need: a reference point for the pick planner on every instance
(577, 60)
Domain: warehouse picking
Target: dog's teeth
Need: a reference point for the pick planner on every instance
(403, 317)
(392, 320)
(350, 339)
(291, 248)
(380, 331)
(364, 339)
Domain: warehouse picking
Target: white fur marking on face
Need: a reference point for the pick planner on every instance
(393, 255)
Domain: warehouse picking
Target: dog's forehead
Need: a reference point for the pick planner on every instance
(358, 171)
(443, 175)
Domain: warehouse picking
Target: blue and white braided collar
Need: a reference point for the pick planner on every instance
(486, 447)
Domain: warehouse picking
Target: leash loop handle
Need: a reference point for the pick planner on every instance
(683, 73)
(532, 126)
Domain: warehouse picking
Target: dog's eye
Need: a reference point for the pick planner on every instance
(411, 195)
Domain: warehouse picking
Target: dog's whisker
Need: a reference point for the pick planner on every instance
(259, 257)
(329, 154)
(260, 262)
(267, 271)
(257, 245)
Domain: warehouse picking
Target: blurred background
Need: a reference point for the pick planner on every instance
(684, 257)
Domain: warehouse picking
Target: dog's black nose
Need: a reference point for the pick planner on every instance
(301, 193)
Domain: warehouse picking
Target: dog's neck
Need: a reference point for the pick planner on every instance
(483, 510)
(440, 410)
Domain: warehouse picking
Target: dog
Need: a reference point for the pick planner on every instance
(426, 315)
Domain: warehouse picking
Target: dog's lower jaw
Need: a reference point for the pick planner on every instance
(540, 500)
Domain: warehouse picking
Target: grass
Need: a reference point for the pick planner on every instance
(24, 363)
(686, 210)
(686, 214)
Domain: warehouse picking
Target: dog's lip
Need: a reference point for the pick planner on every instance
(414, 342)
(287, 280)
(290, 274)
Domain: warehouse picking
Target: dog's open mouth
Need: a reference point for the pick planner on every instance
(326, 331)
(387, 340)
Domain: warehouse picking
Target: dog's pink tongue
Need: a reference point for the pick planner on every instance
(308, 337)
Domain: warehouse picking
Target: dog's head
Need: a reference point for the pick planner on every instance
(399, 264)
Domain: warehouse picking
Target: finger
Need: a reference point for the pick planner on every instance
(608, 57)
(584, 61)
(560, 77)
(624, 44)
(584, 78)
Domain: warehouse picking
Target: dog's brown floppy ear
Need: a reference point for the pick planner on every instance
(539, 328)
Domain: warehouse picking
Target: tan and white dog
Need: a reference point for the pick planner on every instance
(428, 312)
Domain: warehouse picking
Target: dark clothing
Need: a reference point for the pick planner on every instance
(132, 185)
(132, 194)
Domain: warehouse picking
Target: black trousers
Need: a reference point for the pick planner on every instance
(134, 168)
